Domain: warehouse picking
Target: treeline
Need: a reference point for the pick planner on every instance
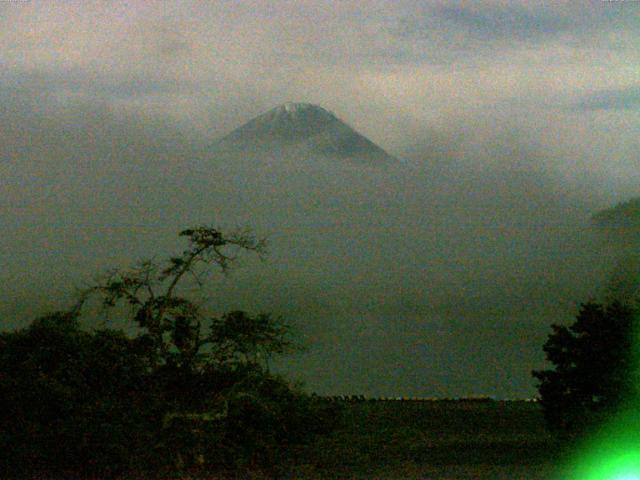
(362, 398)
(187, 392)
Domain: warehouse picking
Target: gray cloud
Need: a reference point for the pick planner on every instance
(490, 22)
(520, 21)
(446, 32)
(81, 83)
(618, 99)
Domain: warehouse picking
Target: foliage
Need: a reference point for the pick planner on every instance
(189, 390)
(173, 324)
(71, 400)
(594, 367)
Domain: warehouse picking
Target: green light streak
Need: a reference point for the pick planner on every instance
(613, 452)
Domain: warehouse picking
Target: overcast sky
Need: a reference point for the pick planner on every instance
(568, 71)
(102, 103)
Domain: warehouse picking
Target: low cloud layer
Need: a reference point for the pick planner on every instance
(617, 99)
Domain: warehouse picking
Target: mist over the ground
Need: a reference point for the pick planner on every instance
(436, 276)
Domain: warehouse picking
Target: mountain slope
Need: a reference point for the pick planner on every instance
(306, 129)
(625, 214)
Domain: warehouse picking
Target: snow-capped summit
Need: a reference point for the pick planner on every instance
(293, 107)
(313, 129)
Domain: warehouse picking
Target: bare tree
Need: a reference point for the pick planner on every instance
(174, 324)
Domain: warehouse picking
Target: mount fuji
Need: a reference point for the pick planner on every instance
(305, 130)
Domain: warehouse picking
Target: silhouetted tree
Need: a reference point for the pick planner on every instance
(72, 400)
(186, 389)
(173, 323)
(209, 368)
(594, 369)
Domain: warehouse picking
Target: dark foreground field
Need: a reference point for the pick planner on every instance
(397, 440)
(433, 440)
